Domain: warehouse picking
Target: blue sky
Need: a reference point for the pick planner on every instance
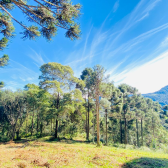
(128, 37)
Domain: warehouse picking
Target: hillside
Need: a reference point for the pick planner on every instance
(161, 96)
(76, 153)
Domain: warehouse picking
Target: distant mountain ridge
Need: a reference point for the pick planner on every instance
(161, 96)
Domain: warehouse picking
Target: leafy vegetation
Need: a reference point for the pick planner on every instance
(64, 106)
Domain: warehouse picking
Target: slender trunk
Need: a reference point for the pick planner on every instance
(137, 133)
(26, 121)
(32, 122)
(41, 129)
(97, 113)
(106, 128)
(86, 123)
(17, 135)
(120, 131)
(88, 118)
(56, 124)
(37, 122)
(86, 127)
(141, 132)
(56, 129)
(51, 125)
(125, 130)
(94, 123)
(26, 125)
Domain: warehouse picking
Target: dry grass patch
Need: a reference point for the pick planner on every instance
(62, 154)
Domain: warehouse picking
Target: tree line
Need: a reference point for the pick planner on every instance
(63, 105)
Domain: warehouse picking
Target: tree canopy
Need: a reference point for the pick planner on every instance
(46, 17)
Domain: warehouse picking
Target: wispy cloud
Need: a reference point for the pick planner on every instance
(18, 75)
(36, 57)
(143, 17)
(138, 14)
(116, 5)
(100, 45)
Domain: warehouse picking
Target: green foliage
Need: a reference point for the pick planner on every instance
(4, 60)
(57, 107)
(46, 17)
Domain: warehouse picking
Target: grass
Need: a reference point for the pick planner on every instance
(75, 153)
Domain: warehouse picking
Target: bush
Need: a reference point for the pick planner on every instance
(4, 138)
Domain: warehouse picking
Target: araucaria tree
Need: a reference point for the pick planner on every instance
(98, 78)
(46, 16)
(57, 79)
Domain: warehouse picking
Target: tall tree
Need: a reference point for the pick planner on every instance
(87, 77)
(57, 78)
(106, 106)
(127, 91)
(98, 77)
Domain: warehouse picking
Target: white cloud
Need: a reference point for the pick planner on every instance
(37, 58)
(149, 77)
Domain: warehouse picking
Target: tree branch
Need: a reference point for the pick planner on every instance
(13, 17)
(30, 16)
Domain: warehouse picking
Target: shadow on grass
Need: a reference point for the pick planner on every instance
(64, 140)
(22, 143)
(147, 163)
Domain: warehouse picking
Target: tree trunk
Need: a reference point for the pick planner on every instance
(106, 128)
(98, 127)
(32, 123)
(88, 119)
(26, 122)
(41, 129)
(125, 130)
(86, 127)
(37, 122)
(94, 123)
(56, 124)
(137, 133)
(141, 132)
(120, 131)
(56, 129)
(17, 135)
(51, 125)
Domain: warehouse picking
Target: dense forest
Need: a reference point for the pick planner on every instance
(64, 106)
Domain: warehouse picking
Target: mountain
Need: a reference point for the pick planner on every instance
(161, 96)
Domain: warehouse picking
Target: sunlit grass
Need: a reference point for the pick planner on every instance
(67, 153)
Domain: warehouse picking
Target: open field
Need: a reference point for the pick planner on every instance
(69, 153)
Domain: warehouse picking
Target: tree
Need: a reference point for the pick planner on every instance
(13, 105)
(57, 78)
(6, 30)
(126, 92)
(32, 93)
(46, 16)
(106, 106)
(87, 77)
(98, 77)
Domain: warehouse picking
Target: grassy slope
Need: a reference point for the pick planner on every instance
(76, 154)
